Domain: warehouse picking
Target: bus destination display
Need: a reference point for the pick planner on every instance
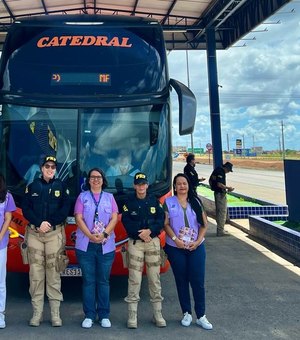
(71, 78)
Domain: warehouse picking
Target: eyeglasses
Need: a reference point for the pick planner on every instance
(95, 178)
(48, 166)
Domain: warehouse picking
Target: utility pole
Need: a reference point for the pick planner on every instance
(279, 140)
(228, 147)
(282, 138)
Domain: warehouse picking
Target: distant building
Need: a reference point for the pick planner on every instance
(258, 150)
(179, 149)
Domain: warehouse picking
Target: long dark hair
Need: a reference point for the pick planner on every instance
(193, 199)
(101, 172)
(3, 188)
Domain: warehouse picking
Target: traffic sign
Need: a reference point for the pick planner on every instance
(196, 150)
(238, 143)
(209, 147)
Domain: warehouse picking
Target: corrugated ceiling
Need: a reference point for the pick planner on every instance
(184, 21)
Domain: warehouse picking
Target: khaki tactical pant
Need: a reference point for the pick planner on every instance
(141, 253)
(221, 209)
(42, 253)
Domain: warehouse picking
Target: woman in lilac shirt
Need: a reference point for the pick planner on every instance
(7, 205)
(185, 226)
(96, 214)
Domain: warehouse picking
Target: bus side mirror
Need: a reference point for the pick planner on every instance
(187, 107)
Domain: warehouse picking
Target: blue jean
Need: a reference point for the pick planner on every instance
(96, 268)
(189, 269)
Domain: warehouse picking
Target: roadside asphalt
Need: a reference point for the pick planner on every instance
(251, 294)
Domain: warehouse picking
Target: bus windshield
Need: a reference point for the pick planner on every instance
(121, 141)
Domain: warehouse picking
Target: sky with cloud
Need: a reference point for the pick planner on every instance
(259, 86)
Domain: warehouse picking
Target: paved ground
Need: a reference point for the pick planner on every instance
(251, 294)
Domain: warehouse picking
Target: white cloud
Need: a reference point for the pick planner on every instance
(260, 85)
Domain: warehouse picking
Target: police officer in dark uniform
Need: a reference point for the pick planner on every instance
(191, 173)
(46, 206)
(217, 182)
(143, 219)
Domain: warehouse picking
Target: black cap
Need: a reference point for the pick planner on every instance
(48, 159)
(140, 178)
(229, 166)
(190, 157)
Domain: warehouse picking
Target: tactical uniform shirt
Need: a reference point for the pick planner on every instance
(192, 175)
(46, 201)
(218, 176)
(142, 214)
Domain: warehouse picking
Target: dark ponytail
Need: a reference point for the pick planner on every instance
(197, 207)
(3, 189)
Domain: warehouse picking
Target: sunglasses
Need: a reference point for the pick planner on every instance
(48, 166)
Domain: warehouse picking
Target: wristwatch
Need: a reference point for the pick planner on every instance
(174, 237)
(105, 234)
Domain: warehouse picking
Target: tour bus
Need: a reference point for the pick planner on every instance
(93, 91)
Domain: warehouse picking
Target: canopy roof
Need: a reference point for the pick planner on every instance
(184, 21)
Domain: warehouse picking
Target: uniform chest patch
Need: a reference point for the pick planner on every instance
(56, 193)
(152, 210)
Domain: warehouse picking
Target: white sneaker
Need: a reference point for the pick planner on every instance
(105, 323)
(204, 323)
(87, 323)
(2, 320)
(187, 319)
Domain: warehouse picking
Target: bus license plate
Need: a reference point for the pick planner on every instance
(75, 271)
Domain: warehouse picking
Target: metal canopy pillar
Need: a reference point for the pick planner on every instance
(214, 104)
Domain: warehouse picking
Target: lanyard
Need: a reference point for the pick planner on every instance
(96, 215)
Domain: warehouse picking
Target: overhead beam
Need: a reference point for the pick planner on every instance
(8, 10)
(249, 16)
(231, 20)
(112, 10)
(168, 12)
(45, 7)
(134, 7)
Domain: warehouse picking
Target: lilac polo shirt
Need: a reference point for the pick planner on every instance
(85, 205)
(7, 206)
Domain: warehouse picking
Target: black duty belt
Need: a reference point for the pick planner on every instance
(138, 239)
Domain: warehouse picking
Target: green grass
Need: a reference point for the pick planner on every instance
(232, 201)
(289, 224)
